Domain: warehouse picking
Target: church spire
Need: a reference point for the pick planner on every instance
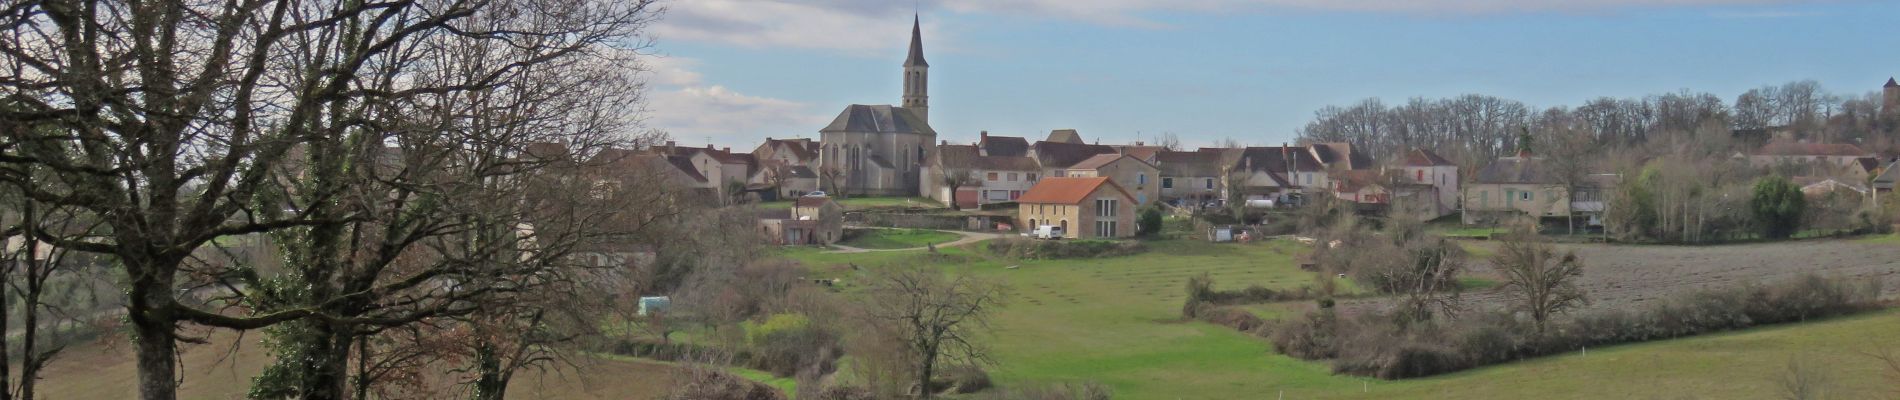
(917, 73)
(916, 43)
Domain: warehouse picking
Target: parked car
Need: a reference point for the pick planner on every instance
(817, 193)
(1050, 232)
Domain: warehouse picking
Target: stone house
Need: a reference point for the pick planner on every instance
(999, 179)
(1190, 177)
(1134, 175)
(1092, 207)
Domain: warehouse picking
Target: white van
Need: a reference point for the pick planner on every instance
(1050, 232)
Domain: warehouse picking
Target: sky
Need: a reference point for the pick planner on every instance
(733, 72)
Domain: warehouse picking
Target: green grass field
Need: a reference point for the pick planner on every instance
(1116, 321)
(899, 238)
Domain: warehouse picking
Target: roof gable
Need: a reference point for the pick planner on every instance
(1419, 157)
(1514, 170)
(1065, 155)
(954, 156)
(1065, 136)
(1003, 146)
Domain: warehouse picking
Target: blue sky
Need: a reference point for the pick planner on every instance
(737, 71)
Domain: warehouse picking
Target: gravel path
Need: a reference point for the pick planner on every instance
(968, 238)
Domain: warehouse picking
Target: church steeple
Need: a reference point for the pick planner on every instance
(916, 44)
(917, 73)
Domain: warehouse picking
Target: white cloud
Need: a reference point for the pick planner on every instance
(824, 24)
(692, 110)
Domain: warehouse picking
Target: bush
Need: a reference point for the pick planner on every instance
(1378, 347)
(1149, 222)
(707, 384)
(1777, 205)
(846, 393)
(1078, 391)
(962, 379)
(1061, 249)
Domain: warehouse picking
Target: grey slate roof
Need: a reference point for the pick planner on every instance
(1341, 153)
(966, 157)
(878, 119)
(1275, 159)
(1188, 163)
(1065, 155)
(1006, 146)
(1514, 170)
(1419, 157)
(800, 171)
(916, 44)
(1065, 136)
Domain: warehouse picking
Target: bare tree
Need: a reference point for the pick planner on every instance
(935, 316)
(1536, 278)
(956, 180)
(1802, 380)
(833, 178)
(176, 124)
(1169, 141)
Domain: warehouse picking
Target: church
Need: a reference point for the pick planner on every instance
(880, 150)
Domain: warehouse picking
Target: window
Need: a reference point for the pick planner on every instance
(1167, 183)
(1105, 228)
(992, 177)
(1106, 207)
(1309, 179)
(1141, 198)
(1032, 177)
(1210, 183)
(1524, 195)
(1141, 179)
(1420, 175)
(1012, 177)
(1013, 194)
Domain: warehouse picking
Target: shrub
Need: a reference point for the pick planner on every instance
(1308, 338)
(708, 384)
(1149, 222)
(963, 379)
(755, 333)
(1074, 391)
(846, 393)
(1777, 205)
(1376, 346)
(1061, 249)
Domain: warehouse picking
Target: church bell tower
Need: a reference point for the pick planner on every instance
(917, 74)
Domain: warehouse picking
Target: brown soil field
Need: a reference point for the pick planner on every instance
(1629, 275)
(220, 370)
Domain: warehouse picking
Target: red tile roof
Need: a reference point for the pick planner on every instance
(1424, 158)
(1067, 190)
(1811, 149)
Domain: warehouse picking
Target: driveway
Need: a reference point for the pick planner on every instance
(968, 238)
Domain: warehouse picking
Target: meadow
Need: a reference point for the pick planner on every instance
(1116, 321)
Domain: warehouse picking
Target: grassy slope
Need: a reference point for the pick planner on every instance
(900, 238)
(1115, 321)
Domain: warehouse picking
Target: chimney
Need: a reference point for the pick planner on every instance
(669, 145)
(985, 135)
(709, 146)
(725, 150)
(1138, 143)
(945, 142)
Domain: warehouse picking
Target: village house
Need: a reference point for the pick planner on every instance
(1272, 173)
(999, 179)
(812, 220)
(786, 165)
(1056, 157)
(1092, 207)
(1522, 185)
(1137, 176)
(1189, 177)
(1423, 167)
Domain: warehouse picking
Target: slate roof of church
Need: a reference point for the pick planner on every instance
(881, 118)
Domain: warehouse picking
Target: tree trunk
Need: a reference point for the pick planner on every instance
(327, 375)
(152, 330)
(923, 373)
(491, 385)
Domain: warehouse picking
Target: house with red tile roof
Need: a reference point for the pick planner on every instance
(1092, 207)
